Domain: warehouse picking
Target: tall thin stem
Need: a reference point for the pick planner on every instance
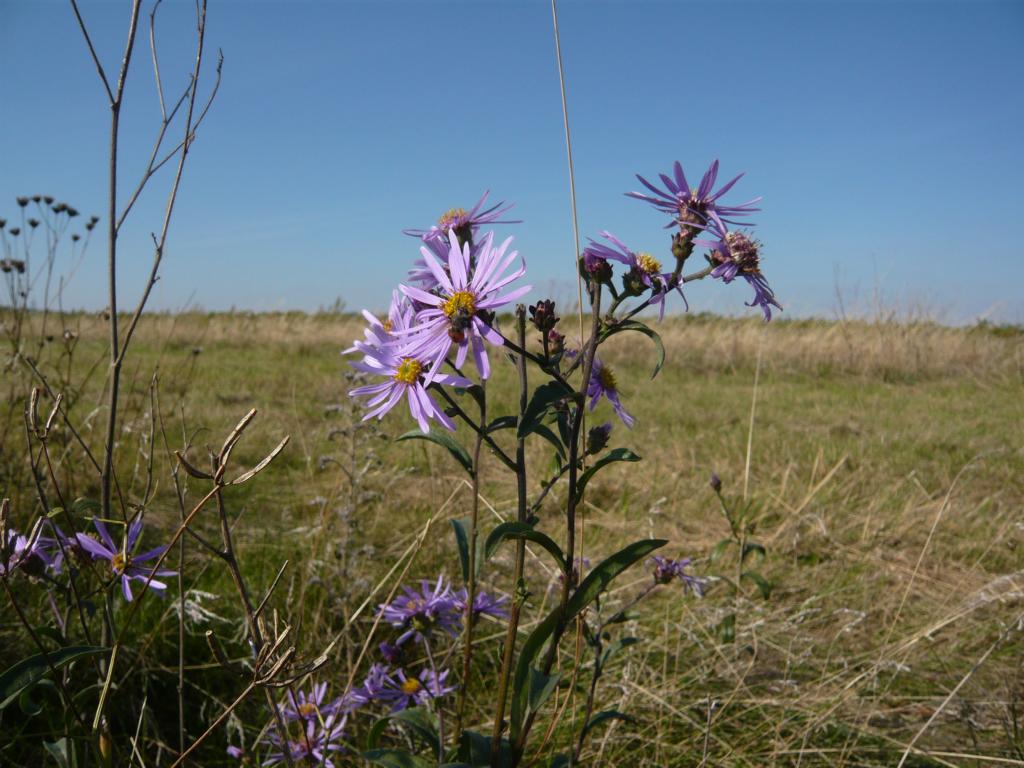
(517, 578)
(467, 632)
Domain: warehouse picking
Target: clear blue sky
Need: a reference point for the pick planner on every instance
(884, 137)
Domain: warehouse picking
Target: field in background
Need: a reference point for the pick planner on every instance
(885, 461)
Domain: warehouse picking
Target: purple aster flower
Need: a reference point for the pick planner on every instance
(644, 270)
(377, 679)
(123, 562)
(483, 604)
(739, 255)
(692, 208)
(406, 373)
(402, 691)
(24, 552)
(309, 706)
(460, 311)
(602, 382)
(464, 223)
(667, 568)
(315, 745)
(420, 613)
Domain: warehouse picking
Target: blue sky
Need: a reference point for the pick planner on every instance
(884, 137)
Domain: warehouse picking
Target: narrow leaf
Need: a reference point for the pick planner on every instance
(634, 325)
(447, 442)
(29, 671)
(763, 585)
(605, 716)
(598, 579)
(461, 529)
(614, 455)
(395, 758)
(514, 530)
(543, 397)
(541, 688)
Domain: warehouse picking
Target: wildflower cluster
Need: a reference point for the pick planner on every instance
(445, 313)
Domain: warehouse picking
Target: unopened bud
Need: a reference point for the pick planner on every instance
(715, 483)
(597, 438)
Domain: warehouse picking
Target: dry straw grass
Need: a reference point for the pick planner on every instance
(885, 463)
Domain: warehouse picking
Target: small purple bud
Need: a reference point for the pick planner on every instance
(716, 483)
(597, 438)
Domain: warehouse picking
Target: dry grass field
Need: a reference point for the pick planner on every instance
(884, 463)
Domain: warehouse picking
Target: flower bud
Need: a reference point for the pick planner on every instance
(22, 201)
(542, 315)
(597, 438)
(556, 343)
(716, 483)
(597, 267)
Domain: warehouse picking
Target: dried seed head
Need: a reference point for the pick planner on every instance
(22, 201)
(33, 223)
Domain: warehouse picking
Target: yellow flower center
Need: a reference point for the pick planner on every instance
(408, 371)
(120, 561)
(307, 709)
(411, 686)
(460, 301)
(607, 378)
(450, 218)
(387, 325)
(648, 263)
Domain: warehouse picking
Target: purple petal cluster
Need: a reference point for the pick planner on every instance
(644, 270)
(667, 569)
(459, 311)
(418, 614)
(123, 562)
(444, 314)
(18, 551)
(694, 208)
(483, 604)
(405, 373)
(737, 254)
(400, 691)
(464, 223)
(319, 740)
(603, 384)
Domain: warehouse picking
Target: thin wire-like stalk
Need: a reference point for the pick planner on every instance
(520, 562)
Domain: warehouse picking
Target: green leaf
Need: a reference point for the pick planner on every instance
(550, 436)
(592, 586)
(726, 630)
(614, 455)
(396, 758)
(543, 397)
(475, 751)
(29, 700)
(59, 751)
(28, 672)
(763, 585)
(514, 530)
(719, 549)
(461, 529)
(421, 721)
(755, 550)
(634, 325)
(521, 678)
(502, 422)
(616, 646)
(541, 688)
(604, 717)
(85, 507)
(375, 732)
(598, 579)
(445, 441)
